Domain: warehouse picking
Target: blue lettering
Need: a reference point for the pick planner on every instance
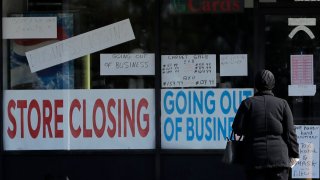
(247, 93)
(209, 135)
(190, 132)
(201, 124)
(215, 129)
(236, 105)
(167, 122)
(189, 97)
(178, 126)
(231, 119)
(197, 103)
(171, 102)
(222, 128)
(228, 100)
(210, 110)
(184, 102)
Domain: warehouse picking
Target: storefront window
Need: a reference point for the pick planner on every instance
(209, 32)
(120, 89)
(79, 71)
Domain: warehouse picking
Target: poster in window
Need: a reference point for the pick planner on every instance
(56, 77)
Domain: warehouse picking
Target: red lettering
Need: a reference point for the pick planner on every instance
(34, 105)
(119, 118)
(206, 6)
(236, 5)
(111, 131)
(214, 6)
(22, 104)
(128, 117)
(86, 132)
(58, 118)
(47, 107)
(12, 133)
(191, 6)
(143, 104)
(99, 104)
(74, 104)
(225, 6)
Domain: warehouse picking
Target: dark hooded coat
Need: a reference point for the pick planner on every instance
(267, 124)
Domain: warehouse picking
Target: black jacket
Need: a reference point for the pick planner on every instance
(267, 125)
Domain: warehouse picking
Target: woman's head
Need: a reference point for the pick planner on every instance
(264, 80)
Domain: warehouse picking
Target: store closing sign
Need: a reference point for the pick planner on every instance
(79, 119)
(198, 118)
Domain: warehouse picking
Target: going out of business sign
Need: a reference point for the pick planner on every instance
(198, 118)
(79, 119)
(207, 6)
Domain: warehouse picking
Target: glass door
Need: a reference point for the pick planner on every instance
(291, 50)
(292, 53)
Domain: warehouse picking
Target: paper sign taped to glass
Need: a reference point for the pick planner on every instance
(80, 45)
(302, 80)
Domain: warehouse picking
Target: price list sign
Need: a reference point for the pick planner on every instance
(188, 70)
(301, 69)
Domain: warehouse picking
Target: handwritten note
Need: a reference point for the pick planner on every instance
(308, 165)
(233, 65)
(80, 45)
(29, 27)
(302, 90)
(188, 70)
(127, 64)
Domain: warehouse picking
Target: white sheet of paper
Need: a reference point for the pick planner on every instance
(302, 21)
(234, 65)
(301, 69)
(197, 70)
(302, 90)
(308, 165)
(127, 64)
(29, 27)
(80, 45)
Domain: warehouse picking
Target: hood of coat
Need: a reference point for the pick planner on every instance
(264, 80)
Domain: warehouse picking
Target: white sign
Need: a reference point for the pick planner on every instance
(302, 90)
(127, 64)
(308, 164)
(302, 21)
(80, 45)
(29, 27)
(301, 24)
(301, 69)
(188, 70)
(234, 65)
(199, 118)
(79, 119)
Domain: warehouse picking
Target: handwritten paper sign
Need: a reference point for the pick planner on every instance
(308, 165)
(233, 65)
(188, 70)
(80, 45)
(302, 90)
(29, 27)
(127, 64)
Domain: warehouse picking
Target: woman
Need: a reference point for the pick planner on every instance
(266, 122)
